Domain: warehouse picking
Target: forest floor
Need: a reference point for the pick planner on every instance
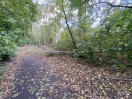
(34, 75)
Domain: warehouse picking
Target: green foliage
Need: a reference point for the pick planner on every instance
(7, 48)
(15, 19)
(114, 63)
(117, 30)
(65, 42)
(85, 49)
(111, 40)
(114, 37)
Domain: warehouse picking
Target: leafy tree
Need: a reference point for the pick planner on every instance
(15, 19)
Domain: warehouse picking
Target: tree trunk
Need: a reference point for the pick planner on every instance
(69, 30)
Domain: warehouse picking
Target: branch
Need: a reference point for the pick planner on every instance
(109, 10)
(123, 6)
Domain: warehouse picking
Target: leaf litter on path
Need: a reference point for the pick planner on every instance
(31, 75)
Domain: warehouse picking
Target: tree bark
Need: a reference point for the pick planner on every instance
(69, 30)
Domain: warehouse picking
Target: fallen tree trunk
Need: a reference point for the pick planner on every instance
(59, 52)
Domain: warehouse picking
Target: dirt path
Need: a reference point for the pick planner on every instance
(32, 75)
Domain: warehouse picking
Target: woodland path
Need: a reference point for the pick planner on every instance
(34, 75)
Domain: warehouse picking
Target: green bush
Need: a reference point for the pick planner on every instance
(7, 48)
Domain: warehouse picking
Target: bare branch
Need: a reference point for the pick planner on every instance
(123, 6)
(109, 10)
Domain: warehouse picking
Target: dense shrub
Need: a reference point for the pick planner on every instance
(7, 48)
(15, 20)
